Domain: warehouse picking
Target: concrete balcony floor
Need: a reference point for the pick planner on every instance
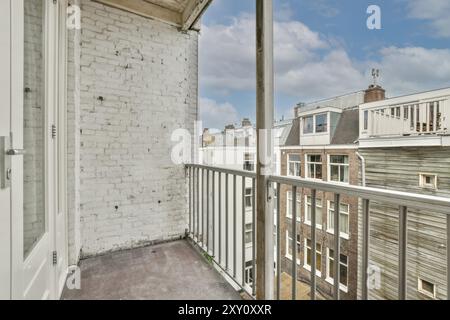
(169, 271)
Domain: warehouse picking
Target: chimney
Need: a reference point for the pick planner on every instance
(374, 93)
(246, 122)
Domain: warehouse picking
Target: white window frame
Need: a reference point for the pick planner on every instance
(423, 184)
(307, 163)
(330, 217)
(289, 205)
(327, 123)
(251, 160)
(288, 242)
(308, 203)
(248, 270)
(248, 195)
(305, 257)
(313, 124)
(248, 231)
(297, 165)
(425, 292)
(338, 165)
(329, 272)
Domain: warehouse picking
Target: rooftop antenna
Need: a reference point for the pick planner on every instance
(375, 75)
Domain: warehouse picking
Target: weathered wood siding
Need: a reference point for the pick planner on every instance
(399, 169)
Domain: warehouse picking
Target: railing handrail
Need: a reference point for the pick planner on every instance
(414, 200)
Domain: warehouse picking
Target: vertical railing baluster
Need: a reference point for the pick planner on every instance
(365, 248)
(190, 200)
(448, 256)
(213, 213)
(254, 236)
(313, 245)
(294, 243)
(337, 246)
(198, 205)
(203, 209)
(226, 223)
(234, 225)
(220, 218)
(402, 251)
(278, 219)
(207, 211)
(243, 231)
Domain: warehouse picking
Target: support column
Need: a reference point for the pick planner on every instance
(264, 124)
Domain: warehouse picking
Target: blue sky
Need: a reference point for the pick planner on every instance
(323, 48)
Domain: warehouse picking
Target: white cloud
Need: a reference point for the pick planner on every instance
(435, 11)
(216, 115)
(227, 59)
(411, 69)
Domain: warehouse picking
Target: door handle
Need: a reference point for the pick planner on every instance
(16, 152)
(5, 163)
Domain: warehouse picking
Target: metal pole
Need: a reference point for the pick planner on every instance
(213, 214)
(234, 226)
(254, 236)
(402, 250)
(198, 205)
(207, 210)
(448, 257)
(264, 122)
(365, 248)
(294, 243)
(189, 170)
(226, 222)
(313, 245)
(278, 243)
(337, 246)
(220, 218)
(243, 232)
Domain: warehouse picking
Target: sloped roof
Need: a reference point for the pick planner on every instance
(293, 136)
(347, 130)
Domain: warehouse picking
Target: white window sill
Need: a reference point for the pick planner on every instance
(343, 235)
(298, 219)
(341, 286)
(318, 226)
(307, 267)
(289, 257)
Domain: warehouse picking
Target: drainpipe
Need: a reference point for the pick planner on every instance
(363, 168)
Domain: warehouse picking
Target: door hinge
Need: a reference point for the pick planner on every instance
(53, 131)
(55, 258)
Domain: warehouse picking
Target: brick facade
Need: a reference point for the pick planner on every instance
(349, 246)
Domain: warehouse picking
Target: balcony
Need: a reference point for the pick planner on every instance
(407, 121)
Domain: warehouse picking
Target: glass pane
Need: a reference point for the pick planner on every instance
(321, 123)
(34, 79)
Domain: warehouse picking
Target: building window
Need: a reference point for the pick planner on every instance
(248, 233)
(249, 272)
(428, 181)
(308, 124)
(344, 211)
(427, 288)
(318, 212)
(321, 123)
(343, 270)
(294, 165)
(339, 169)
(289, 205)
(289, 245)
(248, 197)
(308, 256)
(366, 120)
(314, 166)
(249, 162)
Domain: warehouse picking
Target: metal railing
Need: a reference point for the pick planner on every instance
(224, 228)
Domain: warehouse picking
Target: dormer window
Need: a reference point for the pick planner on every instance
(321, 123)
(315, 124)
(308, 124)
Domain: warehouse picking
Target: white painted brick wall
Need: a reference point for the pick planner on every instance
(139, 81)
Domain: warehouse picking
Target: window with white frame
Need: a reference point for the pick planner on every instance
(343, 269)
(308, 125)
(289, 205)
(314, 166)
(366, 120)
(249, 273)
(248, 198)
(344, 224)
(339, 168)
(294, 165)
(308, 256)
(322, 123)
(319, 206)
(248, 233)
(289, 245)
(428, 181)
(427, 288)
(249, 162)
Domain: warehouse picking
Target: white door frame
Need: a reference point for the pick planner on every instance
(22, 272)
